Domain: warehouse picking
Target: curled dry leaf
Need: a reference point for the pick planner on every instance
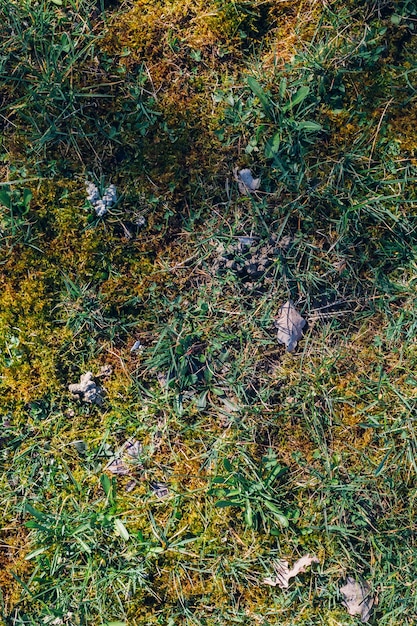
(357, 598)
(133, 448)
(246, 182)
(160, 490)
(283, 573)
(120, 466)
(290, 326)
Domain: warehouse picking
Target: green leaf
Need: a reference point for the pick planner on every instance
(32, 555)
(277, 513)
(106, 483)
(308, 126)
(83, 545)
(222, 504)
(227, 465)
(248, 514)
(202, 401)
(299, 97)
(29, 508)
(380, 467)
(5, 198)
(272, 146)
(121, 529)
(256, 88)
(115, 624)
(283, 87)
(27, 197)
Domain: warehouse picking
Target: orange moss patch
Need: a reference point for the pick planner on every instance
(402, 128)
(13, 544)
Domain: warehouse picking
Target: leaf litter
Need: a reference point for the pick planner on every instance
(290, 326)
(283, 573)
(357, 598)
(246, 182)
(121, 466)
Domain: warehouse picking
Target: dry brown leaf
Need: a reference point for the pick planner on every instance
(357, 598)
(246, 182)
(131, 450)
(119, 467)
(290, 326)
(283, 573)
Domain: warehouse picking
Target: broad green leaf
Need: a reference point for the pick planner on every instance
(115, 624)
(32, 555)
(29, 508)
(106, 484)
(256, 88)
(227, 465)
(309, 126)
(121, 529)
(27, 197)
(299, 97)
(272, 146)
(278, 514)
(5, 198)
(222, 504)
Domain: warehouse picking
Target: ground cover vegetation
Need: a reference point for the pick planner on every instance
(204, 453)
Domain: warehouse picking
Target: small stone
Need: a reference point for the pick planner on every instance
(137, 346)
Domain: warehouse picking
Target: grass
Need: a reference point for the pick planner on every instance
(264, 454)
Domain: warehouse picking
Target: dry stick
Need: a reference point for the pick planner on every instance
(378, 128)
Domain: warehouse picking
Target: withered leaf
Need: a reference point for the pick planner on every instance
(283, 573)
(246, 182)
(290, 325)
(131, 450)
(357, 598)
(119, 467)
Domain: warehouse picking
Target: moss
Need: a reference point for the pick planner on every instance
(12, 561)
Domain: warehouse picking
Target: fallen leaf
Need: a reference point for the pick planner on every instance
(290, 326)
(105, 371)
(246, 182)
(283, 573)
(160, 490)
(133, 448)
(119, 467)
(131, 485)
(357, 598)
